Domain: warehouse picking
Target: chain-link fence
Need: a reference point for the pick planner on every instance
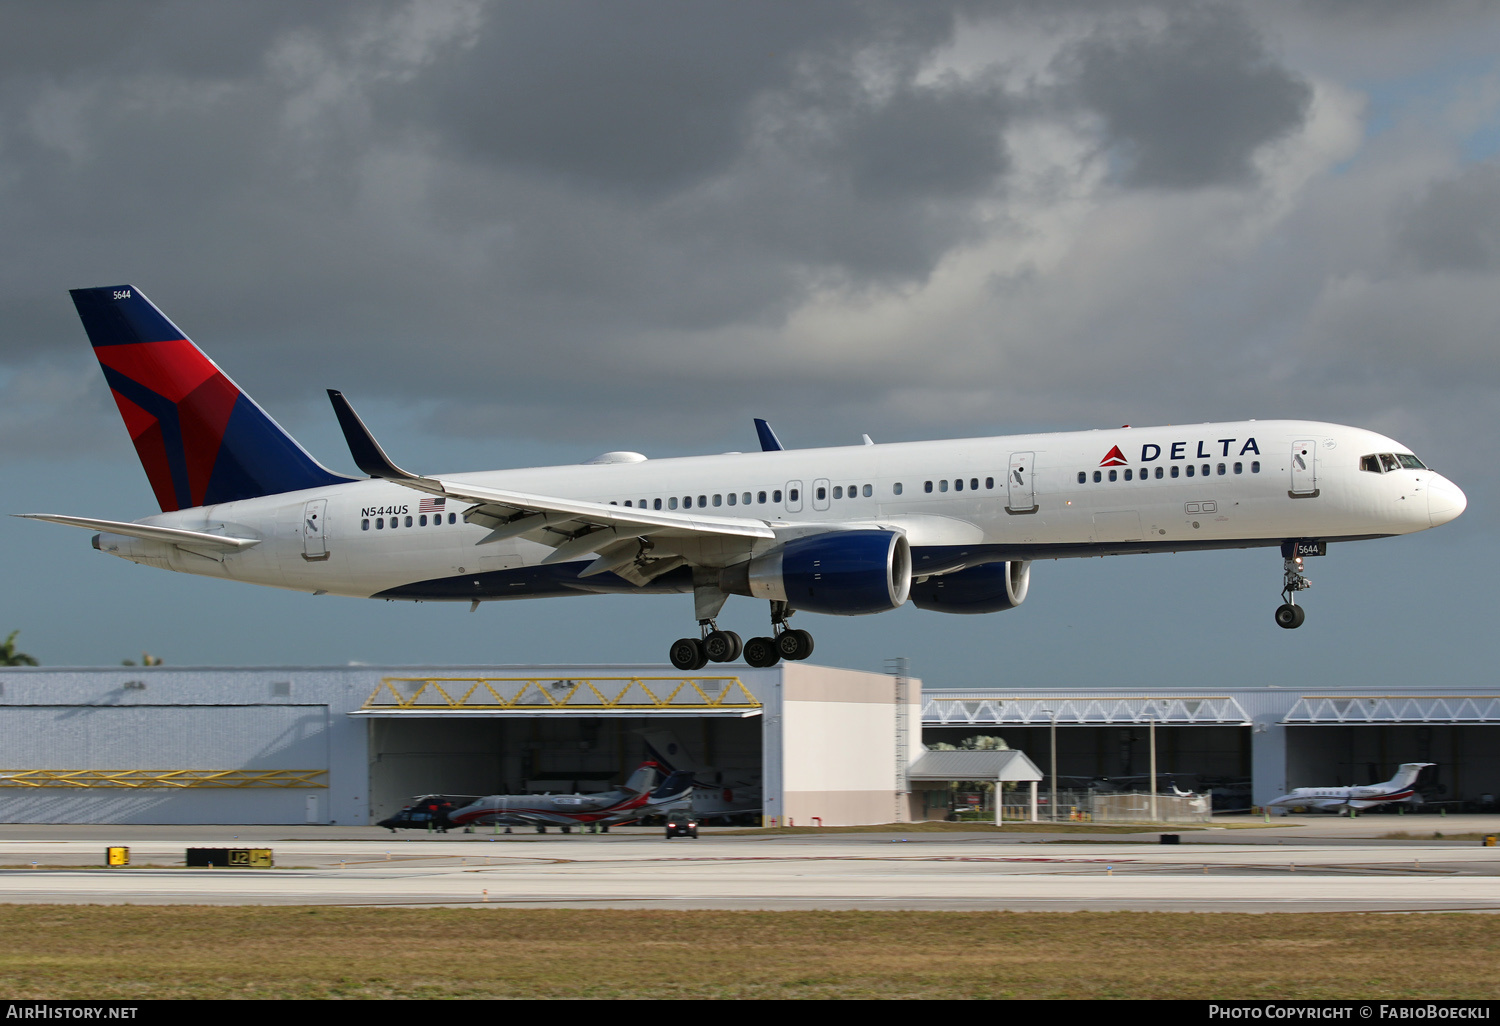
(1111, 807)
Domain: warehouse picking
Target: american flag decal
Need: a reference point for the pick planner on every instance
(431, 505)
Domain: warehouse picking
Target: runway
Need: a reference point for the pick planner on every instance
(639, 869)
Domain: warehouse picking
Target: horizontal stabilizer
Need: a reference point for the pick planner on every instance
(170, 535)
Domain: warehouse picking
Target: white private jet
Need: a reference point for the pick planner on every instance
(952, 526)
(1367, 796)
(647, 792)
(720, 793)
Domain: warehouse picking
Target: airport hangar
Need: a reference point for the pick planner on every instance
(351, 745)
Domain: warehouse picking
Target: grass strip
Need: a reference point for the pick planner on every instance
(201, 952)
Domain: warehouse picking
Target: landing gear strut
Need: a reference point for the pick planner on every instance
(719, 646)
(713, 646)
(1289, 615)
(785, 642)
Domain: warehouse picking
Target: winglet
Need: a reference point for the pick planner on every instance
(367, 453)
(768, 440)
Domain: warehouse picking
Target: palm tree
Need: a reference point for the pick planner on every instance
(10, 657)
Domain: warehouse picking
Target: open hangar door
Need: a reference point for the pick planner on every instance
(577, 734)
(1338, 741)
(1202, 742)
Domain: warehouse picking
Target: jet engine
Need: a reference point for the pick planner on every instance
(846, 573)
(977, 589)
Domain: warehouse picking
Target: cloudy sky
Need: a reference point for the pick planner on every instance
(523, 233)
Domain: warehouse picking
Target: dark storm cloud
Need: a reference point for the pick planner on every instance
(620, 210)
(563, 174)
(1187, 104)
(202, 39)
(649, 96)
(929, 142)
(799, 140)
(1455, 225)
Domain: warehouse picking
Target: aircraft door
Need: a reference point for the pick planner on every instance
(794, 496)
(1304, 469)
(1020, 489)
(314, 535)
(820, 498)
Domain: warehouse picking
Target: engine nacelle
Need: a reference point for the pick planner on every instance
(846, 573)
(978, 589)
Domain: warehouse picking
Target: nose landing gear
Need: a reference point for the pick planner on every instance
(1289, 615)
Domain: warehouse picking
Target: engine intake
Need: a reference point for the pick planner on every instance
(846, 573)
(977, 589)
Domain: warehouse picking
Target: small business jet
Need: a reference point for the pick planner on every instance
(951, 526)
(637, 797)
(1395, 791)
(720, 794)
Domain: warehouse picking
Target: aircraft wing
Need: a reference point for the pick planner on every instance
(148, 532)
(619, 535)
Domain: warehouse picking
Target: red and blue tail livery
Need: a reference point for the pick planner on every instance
(201, 439)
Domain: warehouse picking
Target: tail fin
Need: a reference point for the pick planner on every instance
(201, 439)
(1407, 775)
(641, 780)
(662, 747)
(675, 786)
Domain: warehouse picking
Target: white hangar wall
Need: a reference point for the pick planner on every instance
(344, 745)
(312, 744)
(842, 751)
(177, 745)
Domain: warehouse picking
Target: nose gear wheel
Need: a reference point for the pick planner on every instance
(1289, 615)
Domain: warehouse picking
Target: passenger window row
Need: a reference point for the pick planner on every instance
(1379, 464)
(747, 498)
(703, 501)
(1192, 470)
(822, 493)
(410, 521)
(854, 491)
(958, 485)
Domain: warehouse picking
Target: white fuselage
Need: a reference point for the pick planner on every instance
(1337, 799)
(959, 502)
(1396, 791)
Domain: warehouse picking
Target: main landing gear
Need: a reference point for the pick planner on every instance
(1289, 615)
(719, 646)
(713, 646)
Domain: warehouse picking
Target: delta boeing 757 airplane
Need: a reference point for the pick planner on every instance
(952, 526)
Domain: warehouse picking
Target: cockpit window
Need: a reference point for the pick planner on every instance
(1385, 462)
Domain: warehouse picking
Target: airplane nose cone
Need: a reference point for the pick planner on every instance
(1445, 500)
